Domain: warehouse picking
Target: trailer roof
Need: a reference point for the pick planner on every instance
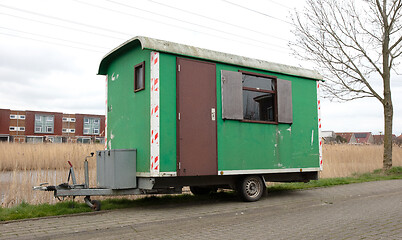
(186, 50)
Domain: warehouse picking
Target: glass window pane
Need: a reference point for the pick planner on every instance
(258, 82)
(258, 106)
(139, 81)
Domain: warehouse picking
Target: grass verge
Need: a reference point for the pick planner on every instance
(25, 210)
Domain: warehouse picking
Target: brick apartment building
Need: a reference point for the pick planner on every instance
(55, 127)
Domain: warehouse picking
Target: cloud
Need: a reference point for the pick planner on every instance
(28, 62)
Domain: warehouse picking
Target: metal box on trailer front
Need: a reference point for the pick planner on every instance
(116, 168)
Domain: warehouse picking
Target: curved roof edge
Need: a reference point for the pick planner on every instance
(186, 50)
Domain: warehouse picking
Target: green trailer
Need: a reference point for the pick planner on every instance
(179, 116)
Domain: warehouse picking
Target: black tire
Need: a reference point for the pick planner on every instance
(96, 205)
(251, 188)
(197, 190)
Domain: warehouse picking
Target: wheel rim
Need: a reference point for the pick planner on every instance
(253, 187)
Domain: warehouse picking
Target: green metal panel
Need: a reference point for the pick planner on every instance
(167, 110)
(128, 114)
(252, 146)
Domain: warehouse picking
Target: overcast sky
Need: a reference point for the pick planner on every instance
(50, 50)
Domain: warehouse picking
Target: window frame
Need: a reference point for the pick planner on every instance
(49, 129)
(13, 116)
(275, 93)
(88, 131)
(142, 66)
(95, 131)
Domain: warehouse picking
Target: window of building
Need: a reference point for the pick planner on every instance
(64, 130)
(254, 97)
(139, 77)
(44, 123)
(13, 128)
(72, 130)
(96, 131)
(21, 129)
(15, 116)
(34, 139)
(99, 140)
(66, 119)
(84, 140)
(91, 126)
(259, 97)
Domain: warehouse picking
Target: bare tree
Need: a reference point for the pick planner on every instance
(355, 44)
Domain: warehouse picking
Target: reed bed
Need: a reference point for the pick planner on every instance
(343, 160)
(25, 165)
(23, 157)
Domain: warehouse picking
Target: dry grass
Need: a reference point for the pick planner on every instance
(344, 160)
(25, 165)
(43, 156)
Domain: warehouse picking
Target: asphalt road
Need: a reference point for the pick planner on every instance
(357, 211)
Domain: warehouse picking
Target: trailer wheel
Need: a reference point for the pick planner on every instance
(251, 188)
(197, 190)
(96, 205)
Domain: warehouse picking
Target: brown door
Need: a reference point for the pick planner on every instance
(196, 118)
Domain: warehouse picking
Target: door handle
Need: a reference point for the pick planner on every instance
(213, 114)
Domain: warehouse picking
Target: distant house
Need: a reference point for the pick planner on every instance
(399, 140)
(346, 137)
(328, 136)
(355, 137)
(379, 139)
(364, 138)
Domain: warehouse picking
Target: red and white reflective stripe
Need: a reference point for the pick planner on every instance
(155, 136)
(106, 112)
(319, 123)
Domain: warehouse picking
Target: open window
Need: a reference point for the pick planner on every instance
(253, 97)
(259, 97)
(139, 77)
